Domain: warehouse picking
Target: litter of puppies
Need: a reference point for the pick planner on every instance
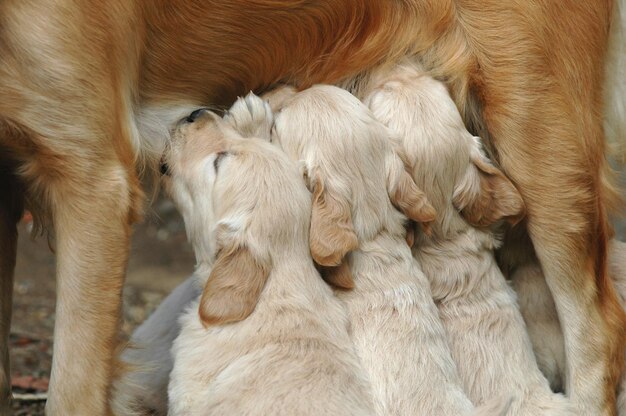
(393, 204)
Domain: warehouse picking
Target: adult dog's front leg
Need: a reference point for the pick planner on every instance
(10, 212)
(91, 220)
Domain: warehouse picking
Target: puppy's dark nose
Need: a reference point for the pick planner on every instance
(165, 170)
(194, 115)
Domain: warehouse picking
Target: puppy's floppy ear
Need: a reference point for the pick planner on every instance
(338, 276)
(485, 195)
(332, 234)
(405, 195)
(234, 286)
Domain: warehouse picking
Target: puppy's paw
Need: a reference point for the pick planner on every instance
(251, 117)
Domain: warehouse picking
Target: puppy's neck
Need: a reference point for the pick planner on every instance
(294, 284)
(448, 224)
(460, 265)
(385, 262)
(377, 222)
(291, 273)
(202, 242)
(293, 280)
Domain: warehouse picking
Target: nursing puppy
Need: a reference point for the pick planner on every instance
(485, 328)
(357, 182)
(537, 308)
(267, 336)
(142, 388)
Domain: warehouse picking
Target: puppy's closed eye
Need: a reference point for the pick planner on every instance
(218, 159)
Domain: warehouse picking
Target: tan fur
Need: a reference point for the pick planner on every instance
(544, 328)
(615, 85)
(332, 233)
(338, 276)
(89, 93)
(227, 297)
(498, 199)
(278, 97)
(409, 199)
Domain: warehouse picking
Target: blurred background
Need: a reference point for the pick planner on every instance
(160, 259)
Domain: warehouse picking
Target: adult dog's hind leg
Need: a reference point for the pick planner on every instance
(11, 198)
(539, 83)
(567, 225)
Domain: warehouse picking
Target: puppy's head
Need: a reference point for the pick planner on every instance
(243, 202)
(351, 169)
(253, 114)
(444, 159)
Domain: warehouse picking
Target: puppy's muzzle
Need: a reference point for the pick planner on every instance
(163, 167)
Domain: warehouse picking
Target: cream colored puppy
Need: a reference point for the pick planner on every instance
(357, 182)
(544, 329)
(142, 389)
(485, 328)
(267, 335)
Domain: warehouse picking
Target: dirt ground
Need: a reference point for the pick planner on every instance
(161, 258)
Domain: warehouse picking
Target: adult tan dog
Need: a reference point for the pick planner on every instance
(89, 90)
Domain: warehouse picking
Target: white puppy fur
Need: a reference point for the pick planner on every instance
(267, 335)
(478, 308)
(541, 318)
(356, 179)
